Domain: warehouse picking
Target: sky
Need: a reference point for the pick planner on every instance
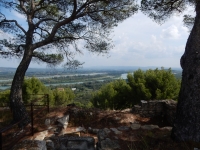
(138, 41)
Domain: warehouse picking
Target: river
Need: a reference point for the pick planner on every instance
(123, 76)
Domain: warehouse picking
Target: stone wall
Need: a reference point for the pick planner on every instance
(154, 108)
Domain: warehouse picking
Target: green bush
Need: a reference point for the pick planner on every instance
(114, 95)
(31, 89)
(4, 98)
(153, 85)
(141, 85)
(63, 97)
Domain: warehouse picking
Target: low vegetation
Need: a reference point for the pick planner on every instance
(106, 94)
(141, 85)
(109, 94)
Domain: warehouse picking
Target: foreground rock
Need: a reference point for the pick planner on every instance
(70, 143)
(31, 145)
(58, 143)
(105, 143)
(120, 128)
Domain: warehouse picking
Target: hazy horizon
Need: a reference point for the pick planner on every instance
(101, 67)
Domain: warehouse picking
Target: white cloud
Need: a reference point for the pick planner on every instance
(139, 41)
(18, 15)
(171, 32)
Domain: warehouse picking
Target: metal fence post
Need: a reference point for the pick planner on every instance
(32, 119)
(1, 144)
(48, 103)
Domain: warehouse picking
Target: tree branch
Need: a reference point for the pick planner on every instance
(39, 3)
(43, 30)
(43, 20)
(40, 8)
(74, 9)
(49, 58)
(84, 6)
(22, 6)
(16, 23)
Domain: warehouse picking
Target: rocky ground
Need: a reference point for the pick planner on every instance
(112, 130)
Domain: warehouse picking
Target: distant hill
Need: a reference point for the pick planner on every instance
(10, 69)
(93, 68)
(5, 69)
(126, 68)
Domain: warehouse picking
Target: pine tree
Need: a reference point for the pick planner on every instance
(56, 24)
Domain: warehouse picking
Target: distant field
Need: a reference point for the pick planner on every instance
(59, 77)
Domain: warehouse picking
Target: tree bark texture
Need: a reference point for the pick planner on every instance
(16, 103)
(187, 122)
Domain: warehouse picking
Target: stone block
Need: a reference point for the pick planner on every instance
(123, 128)
(93, 131)
(64, 121)
(136, 109)
(78, 143)
(144, 104)
(67, 142)
(135, 126)
(30, 145)
(166, 128)
(108, 144)
(102, 134)
(49, 144)
(116, 131)
(149, 127)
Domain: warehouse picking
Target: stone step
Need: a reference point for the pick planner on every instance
(74, 143)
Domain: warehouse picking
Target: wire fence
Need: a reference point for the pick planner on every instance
(11, 133)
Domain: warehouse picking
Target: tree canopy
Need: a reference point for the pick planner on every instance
(60, 24)
(162, 10)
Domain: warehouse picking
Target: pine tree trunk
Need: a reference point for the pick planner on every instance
(187, 122)
(16, 103)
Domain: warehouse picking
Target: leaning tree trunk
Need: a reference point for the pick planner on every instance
(187, 122)
(16, 103)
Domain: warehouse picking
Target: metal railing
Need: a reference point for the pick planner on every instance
(34, 103)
